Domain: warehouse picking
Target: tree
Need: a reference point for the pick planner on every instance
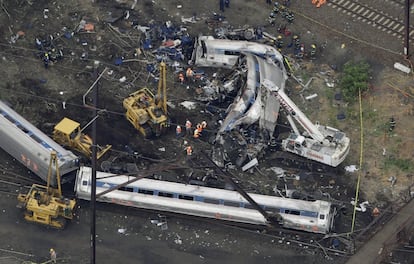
(354, 78)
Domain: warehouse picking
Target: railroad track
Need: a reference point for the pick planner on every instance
(10, 182)
(372, 16)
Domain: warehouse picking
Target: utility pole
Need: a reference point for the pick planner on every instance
(407, 29)
(93, 182)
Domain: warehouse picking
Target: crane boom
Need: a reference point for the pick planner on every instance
(294, 111)
(324, 144)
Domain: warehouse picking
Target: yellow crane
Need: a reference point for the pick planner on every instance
(147, 112)
(68, 133)
(45, 204)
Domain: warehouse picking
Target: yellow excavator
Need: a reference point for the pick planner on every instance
(68, 133)
(46, 205)
(147, 112)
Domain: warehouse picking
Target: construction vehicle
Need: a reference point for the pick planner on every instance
(324, 144)
(147, 112)
(46, 205)
(68, 133)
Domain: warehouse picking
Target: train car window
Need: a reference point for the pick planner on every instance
(126, 189)
(230, 203)
(9, 118)
(273, 209)
(211, 201)
(185, 197)
(143, 191)
(165, 194)
(38, 140)
(292, 212)
(248, 206)
(84, 182)
(231, 52)
(309, 214)
(22, 128)
(322, 216)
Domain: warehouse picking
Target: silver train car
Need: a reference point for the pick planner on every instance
(31, 147)
(310, 216)
(224, 53)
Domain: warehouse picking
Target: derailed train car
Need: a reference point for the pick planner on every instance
(310, 216)
(31, 147)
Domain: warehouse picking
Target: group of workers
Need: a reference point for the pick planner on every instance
(189, 132)
(318, 3)
(189, 129)
(189, 75)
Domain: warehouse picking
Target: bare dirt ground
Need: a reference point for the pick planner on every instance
(37, 93)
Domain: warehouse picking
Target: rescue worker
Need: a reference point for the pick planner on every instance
(52, 255)
(375, 212)
(321, 2)
(189, 73)
(279, 41)
(392, 123)
(46, 59)
(227, 3)
(286, 3)
(181, 77)
(222, 5)
(199, 127)
(296, 41)
(178, 131)
(290, 16)
(196, 133)
(188, 127)
(189, 150)
(204, 124)
(313, 51)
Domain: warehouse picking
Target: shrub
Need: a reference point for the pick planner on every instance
(354, 78)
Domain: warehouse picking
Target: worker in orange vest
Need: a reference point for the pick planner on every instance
(196, 133)
(199, 127)
(188, 127)
(321, 2)
(181, 77)
(189, 150)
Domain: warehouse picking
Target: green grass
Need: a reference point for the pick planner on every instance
(404, 165)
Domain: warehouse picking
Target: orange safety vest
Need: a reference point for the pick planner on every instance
(199, 128)
(321, 2)
(196, 133)
(314, 2)
(189, 151)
